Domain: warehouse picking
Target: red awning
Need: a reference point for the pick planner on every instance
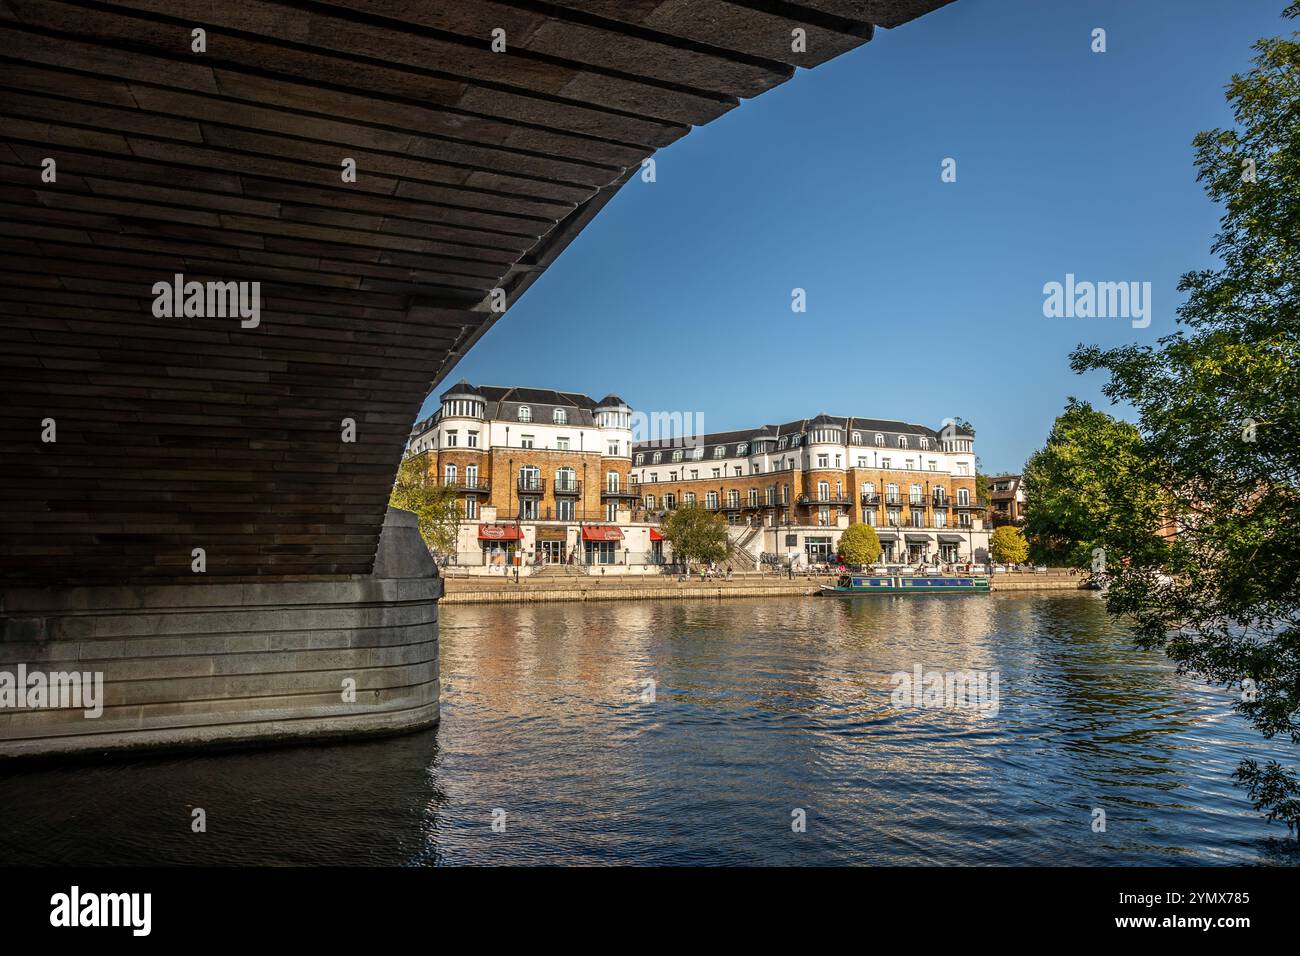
(601, 533)
(656, 534)
(499, 532)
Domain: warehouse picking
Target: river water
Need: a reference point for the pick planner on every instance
(765, 712)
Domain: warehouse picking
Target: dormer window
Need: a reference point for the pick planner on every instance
(857, 438)
(742, 448)
(880, 440)
(560, 417)
(720, 451)
(782, 443)
(525, 413)
(902, 441)
(925, 442)
(640, 459)
(658, 457)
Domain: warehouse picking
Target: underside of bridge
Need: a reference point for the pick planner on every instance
(145, 139)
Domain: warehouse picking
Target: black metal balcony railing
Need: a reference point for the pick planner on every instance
(870, 499)
(624, 492)
(464, 484)
(812, 500)
(567, 487)
(965, 504)
(893, 500)
(533, 485)
(941, 501)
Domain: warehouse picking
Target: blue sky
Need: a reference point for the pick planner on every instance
(924, 298)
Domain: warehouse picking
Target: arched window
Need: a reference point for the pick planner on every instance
(902, 441)
(963, 496)
(880, 440)
(525, 413)
(560, 417)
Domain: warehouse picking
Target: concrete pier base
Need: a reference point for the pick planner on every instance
(225, 664)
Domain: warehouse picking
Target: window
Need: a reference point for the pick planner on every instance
(650, 502)
(963, 496)
(530, 478)
(566, 479)
(525, 441)
(837, 461)
(771, 494)
(560, 417)
(961, 467)
(940, 519)
(740, 470)
(823, 490)
(670, 501)
(471, 439)
(717, 472)
(918, 519)
(880, 440)
(824, 517)
(525, 413)
(914, 495)
(894, 517)
(471, 507)
(611, 481)
(450, 474)
(891, 493)
(565, 509)
(562, 443)
(934, 465)
(925, 442)
(823, 461)
(640, 459)
(782, 443)
(672, 476)
(902, 441)
(733, 498)
(612, 449)
(711, 501)
(451, 439)
(677, 455)
(857, 438)
(794, 440)
(886, 462)
(611, 511)
(742, 448)
(658, 457)
(862, 461)
(753, 497)
(690, 499)
(720, 451)
(695, 473)
(471, 476)
(908, 465)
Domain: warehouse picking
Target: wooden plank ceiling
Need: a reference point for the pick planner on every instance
(474, 170)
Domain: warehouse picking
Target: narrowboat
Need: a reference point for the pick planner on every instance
(852, 584)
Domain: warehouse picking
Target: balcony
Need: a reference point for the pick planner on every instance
(566, 487)
(477, 486)
(531, 486)
(969, 504)
(627, 492)
(811, 501)
(870, 500)
(941, 501)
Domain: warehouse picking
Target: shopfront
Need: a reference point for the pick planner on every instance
(600, 543)
(818, 549)
(918, 547)
(552, 544)
(500, 544)
(656, 546)
(950, 547)
(888, 546)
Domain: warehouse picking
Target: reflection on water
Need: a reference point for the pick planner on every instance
(761, 706)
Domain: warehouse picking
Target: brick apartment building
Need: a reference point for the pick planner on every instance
(798, 485)
(541, 475)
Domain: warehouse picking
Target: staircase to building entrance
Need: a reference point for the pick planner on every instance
(742, 557)
(559, 570)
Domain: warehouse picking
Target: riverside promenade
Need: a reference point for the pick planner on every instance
(588, 587)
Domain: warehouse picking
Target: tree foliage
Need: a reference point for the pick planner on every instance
(1218, 407)
(1093, 490)
(435, 506)
(1007, 545)
(697, 535)
(859, 544)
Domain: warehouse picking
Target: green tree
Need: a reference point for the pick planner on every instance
(859, 544)
(1093, 490)
(697, 535)
(435, 506)
(1007, 545)
(1218, 407)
